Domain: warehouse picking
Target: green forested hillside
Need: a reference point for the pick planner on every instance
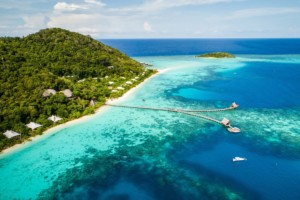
(58, 59)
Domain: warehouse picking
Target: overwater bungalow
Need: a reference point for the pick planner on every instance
(234, 129)
(225, 122)
(234, 105)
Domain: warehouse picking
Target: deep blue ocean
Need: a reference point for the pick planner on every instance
(166, 47)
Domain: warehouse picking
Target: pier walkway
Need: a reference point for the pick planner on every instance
(225, 122)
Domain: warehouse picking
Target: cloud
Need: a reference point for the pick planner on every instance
(95, 2)
(69, 20)
(147, 27)
(63, 6)
(257, 12)
(157, 5)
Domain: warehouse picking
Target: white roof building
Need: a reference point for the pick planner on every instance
(54, 118)
(10, 134)
(33, 125)
(49, 92)
(225, 122)
(68, 93)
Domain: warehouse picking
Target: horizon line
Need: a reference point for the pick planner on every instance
(262, 38)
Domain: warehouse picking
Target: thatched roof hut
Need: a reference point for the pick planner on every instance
(49, 92)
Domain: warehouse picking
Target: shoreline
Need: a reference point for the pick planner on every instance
(98, 111)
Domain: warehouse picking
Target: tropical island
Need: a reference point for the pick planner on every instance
(60, 73)
(216, 55)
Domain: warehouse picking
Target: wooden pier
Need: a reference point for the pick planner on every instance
(225, 122)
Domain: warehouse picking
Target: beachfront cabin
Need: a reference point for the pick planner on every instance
(225, 122)
(10, 134)
(110, 83)
(49, 92)
(234, 105)
(33, 125)
(129, 82)
(68, 93)
(113, 91)
(54, 118)
(120, 88)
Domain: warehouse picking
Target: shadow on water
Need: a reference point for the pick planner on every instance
(245, 191)
(131, 184)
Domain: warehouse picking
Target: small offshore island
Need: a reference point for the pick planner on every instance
(56, 72)
(216, 55)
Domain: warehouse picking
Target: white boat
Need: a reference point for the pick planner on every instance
(237, 159)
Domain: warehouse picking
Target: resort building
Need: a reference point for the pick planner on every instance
(49, 92)
(225, 122)
(68, 93)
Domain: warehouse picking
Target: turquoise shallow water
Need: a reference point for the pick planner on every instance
(138, 154)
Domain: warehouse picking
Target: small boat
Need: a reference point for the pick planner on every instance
(237, 159)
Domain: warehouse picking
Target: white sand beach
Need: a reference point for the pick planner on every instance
(100, 110)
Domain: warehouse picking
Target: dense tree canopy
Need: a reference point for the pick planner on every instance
(217, 55)
(58, 59)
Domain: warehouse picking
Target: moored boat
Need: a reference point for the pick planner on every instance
(237, 159)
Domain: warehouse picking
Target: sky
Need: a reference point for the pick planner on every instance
(154, 18)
